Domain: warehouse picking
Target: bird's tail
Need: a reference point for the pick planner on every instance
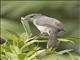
(52, 42)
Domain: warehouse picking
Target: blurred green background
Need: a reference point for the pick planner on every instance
(66, 11)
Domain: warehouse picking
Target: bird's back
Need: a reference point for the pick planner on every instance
(50, 22)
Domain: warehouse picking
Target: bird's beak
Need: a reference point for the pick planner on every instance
(23, 18)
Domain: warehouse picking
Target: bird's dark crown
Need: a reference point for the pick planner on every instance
(34, 15)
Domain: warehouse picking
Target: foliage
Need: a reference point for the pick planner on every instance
(27, 47)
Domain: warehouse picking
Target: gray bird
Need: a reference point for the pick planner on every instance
(46, 24)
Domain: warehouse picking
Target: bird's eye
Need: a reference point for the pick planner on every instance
(31, 16)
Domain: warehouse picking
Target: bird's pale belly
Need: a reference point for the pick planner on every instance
(43, 29)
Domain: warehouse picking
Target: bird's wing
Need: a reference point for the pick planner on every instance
(49, 22)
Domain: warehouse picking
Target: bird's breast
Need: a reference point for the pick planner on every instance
(42, 28)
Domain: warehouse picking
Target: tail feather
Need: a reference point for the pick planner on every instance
(52, 42)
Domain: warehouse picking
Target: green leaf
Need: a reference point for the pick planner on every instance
(64, 51)
(14, 49)
(26, 26)
(27, 44)
(65, 40)
(11, 56)
(21, 56)
(35, 54)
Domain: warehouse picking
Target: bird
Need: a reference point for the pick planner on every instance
(46, 24)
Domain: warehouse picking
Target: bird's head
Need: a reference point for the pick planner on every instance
(31, 17)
